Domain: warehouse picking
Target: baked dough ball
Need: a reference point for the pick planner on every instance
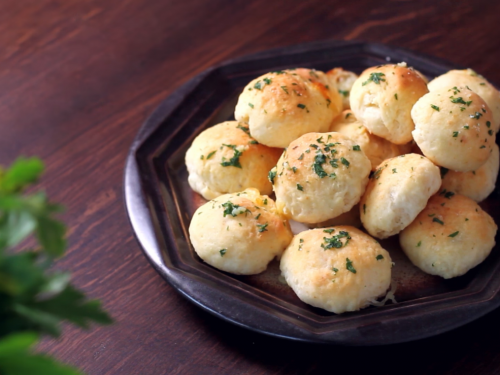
(281, 106)
(375, 148)
(476, 83)
(239, 233)
(338, 269)
(477, 184)
(343, 81)
(450, 236)
(319, 177)
(382, 98)
(225, 159)
(453, 128)
(398, 190)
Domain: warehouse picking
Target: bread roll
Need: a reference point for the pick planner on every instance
(239, 233)
(453, 128)
(281, 106)
(476, 83)
(319, 177)
(450, 236)
(225, 159)
(337, 269)
(398, 190)
(382, 98)
(343, 81)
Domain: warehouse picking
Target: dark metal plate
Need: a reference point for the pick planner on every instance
(160, 205)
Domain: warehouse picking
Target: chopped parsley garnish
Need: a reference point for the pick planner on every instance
(466, 127)
(233, 209)
(488, 124)
(211, 154)
(345, 93)
(235, 160)
(262, 227)
(301, 156)
(329, 231)
(375, 78)
(251, 105)
(258, 85)
(349, 266)
(460, 100)
(419, 243)
(436, 220)
(394, 170)
(319, 160)
(396, 96)
(379, 257)
(294, 169)
(265, 201)
(345, 162)
(299, 187)
(455, 134)
(454, 234)
(476, 115)
(328, 102)
(356, 148)
(244, 128)
(257, 217)
(267, 81)
(348, 114)
(447, 194)
(313, 146)
(435, 107)
(302, 106)
(335, 241)
(335, 269)
(272, 175)
(284, 89)
(490, 132)
(222, 252)
(334, 162)
(320, 140)
(483, 146)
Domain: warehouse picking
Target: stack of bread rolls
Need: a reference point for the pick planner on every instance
(356, 159)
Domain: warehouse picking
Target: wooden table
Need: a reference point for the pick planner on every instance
(77, 79)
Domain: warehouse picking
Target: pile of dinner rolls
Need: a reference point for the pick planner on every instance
(387, 151)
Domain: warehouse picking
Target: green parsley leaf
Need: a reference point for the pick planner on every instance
(435, 107)
(222, 252)
(251, 105)
(379, 257)
(436, 220)
(455, 134)
(375, 78)
(345, 162)
(246, 129)
(233, 209)
(262, 227)
(344, 93)
(284, 88)
(349, 266)
(454, 234)
(299, 187)
(235, 160)
(356, 148)
(272, 175)
(258, 85)
(211, 154)
(317, 166)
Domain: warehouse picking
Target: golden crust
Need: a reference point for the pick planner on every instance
(383, 104)
(281, 106)
(476, 83)
(211, 148)
(450, 236)
(396, 193)
(249, 237)
(319, 180)
(325, 278)
(453, 128)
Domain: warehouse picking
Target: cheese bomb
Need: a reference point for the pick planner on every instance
(398, 190)
(281, 106)
(337, 269)
(226, 159)
(343, 81)
(375, 148)
(478, 184)
(450, 236)
(382, 98)
(319, 177)
(239, 233)
(454, 128)
(477, 83)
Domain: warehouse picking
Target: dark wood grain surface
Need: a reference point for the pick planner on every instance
(77, 79)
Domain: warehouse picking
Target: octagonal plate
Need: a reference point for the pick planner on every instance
(160, 204)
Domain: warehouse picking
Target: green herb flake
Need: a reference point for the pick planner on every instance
(335, 269)
(233, 209)
(476, 115)
(303, 106)
(394, 170)
(222, 252)
(490, 132)
(202, 157)
(317, 166)
(257, 217)
(436, 220)
(335, 242)
(455, 134)
(349, 266)
(419, 243)
(251, 105)
(454, 234)
(265, 201)
(345, 162)
(435, 107)
(299, 187)
(211, 154)
(488, 124)
(246, 129)
(396, 96)
(344, 93)
(348, 114)
(262, 227)
(356, 148)
(285, 89)
(258, 85)
(272, 175)
(329, 231)
(235, 160)
(379, 257)
(483, 146)
(267, 81)
(301, 156)
(466, 127)
(375, 78)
